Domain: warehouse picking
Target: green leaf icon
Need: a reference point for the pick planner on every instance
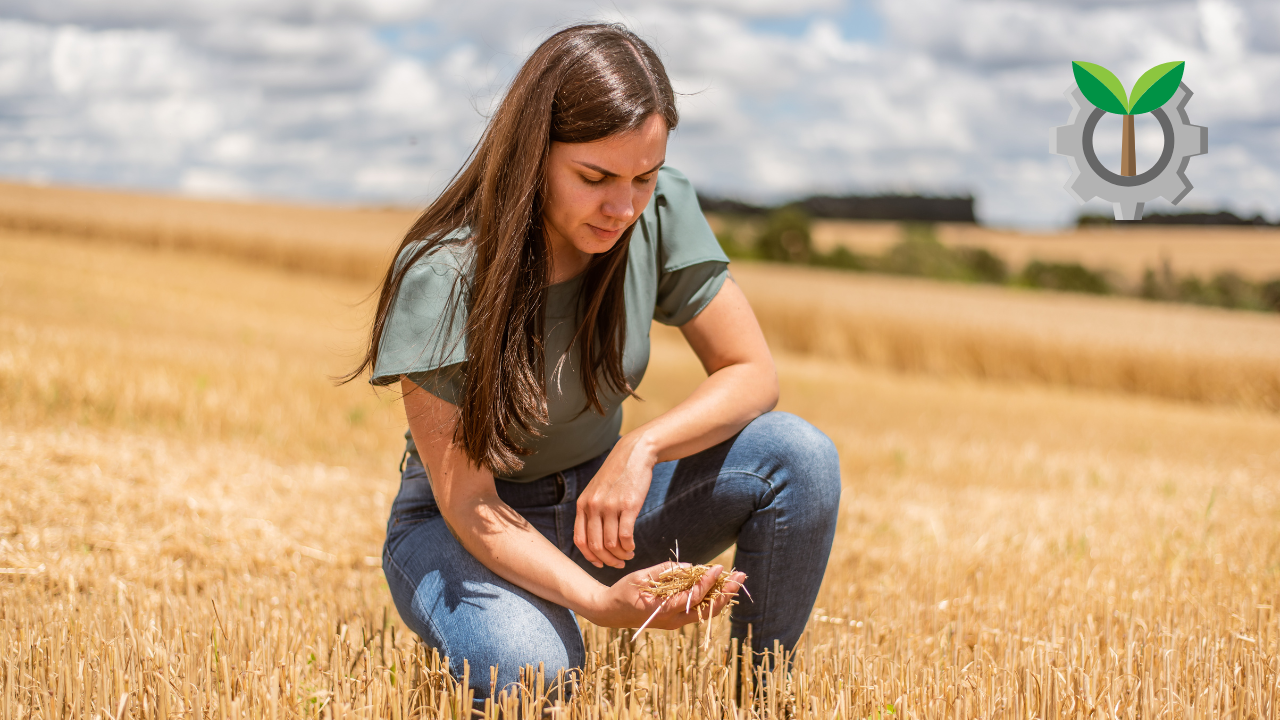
(1156, 87)
(1101, 87)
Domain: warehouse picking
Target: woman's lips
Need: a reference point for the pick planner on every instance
(605, 234)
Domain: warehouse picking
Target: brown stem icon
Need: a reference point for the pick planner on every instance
(1128, 152)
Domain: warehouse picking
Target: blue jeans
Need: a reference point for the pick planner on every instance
(773, 488)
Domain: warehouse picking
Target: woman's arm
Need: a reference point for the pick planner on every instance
(741, 385)
(501, 539)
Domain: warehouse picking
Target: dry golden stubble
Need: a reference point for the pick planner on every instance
(1002, 551)
(681, 578)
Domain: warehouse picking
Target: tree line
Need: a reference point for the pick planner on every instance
(783, 235)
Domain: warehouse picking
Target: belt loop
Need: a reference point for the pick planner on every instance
(561, 490)
(404, 459)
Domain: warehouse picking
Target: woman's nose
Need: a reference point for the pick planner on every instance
(617, 204)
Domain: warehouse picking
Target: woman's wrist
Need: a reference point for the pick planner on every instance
(594, 602)
(641, 448)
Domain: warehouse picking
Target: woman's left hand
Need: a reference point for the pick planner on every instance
(604, 527)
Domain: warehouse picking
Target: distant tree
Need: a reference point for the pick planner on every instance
(983, 265)
(728, 239)
(1221, 217)
(1230, 290)
(1068, 277)
(1152, 288)
(843, 258)
(786, 236)
(1192, 290)
(919, 253)
(1159, 284)
(1270, 292)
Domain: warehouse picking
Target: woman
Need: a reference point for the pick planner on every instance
(516, 320)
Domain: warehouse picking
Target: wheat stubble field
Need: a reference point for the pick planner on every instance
(1054, 506)
(1253, 252)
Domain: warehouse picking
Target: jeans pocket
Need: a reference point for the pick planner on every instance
(566, 515)
(404, 520)
(414, 515)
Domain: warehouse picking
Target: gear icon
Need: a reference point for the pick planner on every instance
(1128, 194)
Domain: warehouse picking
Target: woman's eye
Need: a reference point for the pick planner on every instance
(590, 181)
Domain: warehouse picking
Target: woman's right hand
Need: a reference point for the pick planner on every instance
(628, 604)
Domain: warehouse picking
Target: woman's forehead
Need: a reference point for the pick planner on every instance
(630, 153)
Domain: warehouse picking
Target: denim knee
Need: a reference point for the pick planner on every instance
(512, 653)
(807, 456)
(466, 612)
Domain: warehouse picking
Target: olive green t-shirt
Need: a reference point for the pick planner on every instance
(674, 268)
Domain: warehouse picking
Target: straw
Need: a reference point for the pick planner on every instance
(681, 579)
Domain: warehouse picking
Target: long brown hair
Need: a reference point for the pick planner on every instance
(583, 84)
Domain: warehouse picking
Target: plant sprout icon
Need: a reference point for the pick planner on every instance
(1161, 92)
(1102, 88)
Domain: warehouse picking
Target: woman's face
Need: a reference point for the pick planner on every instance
(596, 190)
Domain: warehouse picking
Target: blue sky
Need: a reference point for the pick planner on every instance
(379, 101)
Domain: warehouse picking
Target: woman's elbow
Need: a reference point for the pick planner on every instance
(477, 515)
(769, 388)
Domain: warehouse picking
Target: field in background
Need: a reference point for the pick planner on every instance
(350, 243)
(905, 325)
(354, 242)
(1020, 336)
(1252, 252)
(190, 514)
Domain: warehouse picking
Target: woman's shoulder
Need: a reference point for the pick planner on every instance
(424, 327)
(674, 219)
(674, 204)
(431, 281)
(450, 257)
(673, 184)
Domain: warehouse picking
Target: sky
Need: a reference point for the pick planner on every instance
(381, 101)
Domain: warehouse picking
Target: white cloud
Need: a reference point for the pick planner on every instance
(766, 8)
(405, 89)
(214, 182)
(235, 148)
(1222, 24)
(381, 100)
(168, 12)
(117, 61)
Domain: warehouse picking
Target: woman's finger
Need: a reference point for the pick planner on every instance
(580, 538)
(708, 581)
(593, 539)
(626, 533)
(609, 531)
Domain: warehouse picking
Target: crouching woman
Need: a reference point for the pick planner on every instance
(516, 319)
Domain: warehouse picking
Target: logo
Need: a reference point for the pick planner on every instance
(1161, 92)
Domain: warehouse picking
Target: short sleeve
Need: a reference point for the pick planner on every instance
(425, 329)
(691, 265)
(684, 293)
(444, 382)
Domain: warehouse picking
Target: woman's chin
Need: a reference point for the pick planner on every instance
(595, 246)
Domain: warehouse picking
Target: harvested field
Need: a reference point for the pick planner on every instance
(349, 243)
(1205, 251)
(945, 329)
(190, 514)
(904, 325)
